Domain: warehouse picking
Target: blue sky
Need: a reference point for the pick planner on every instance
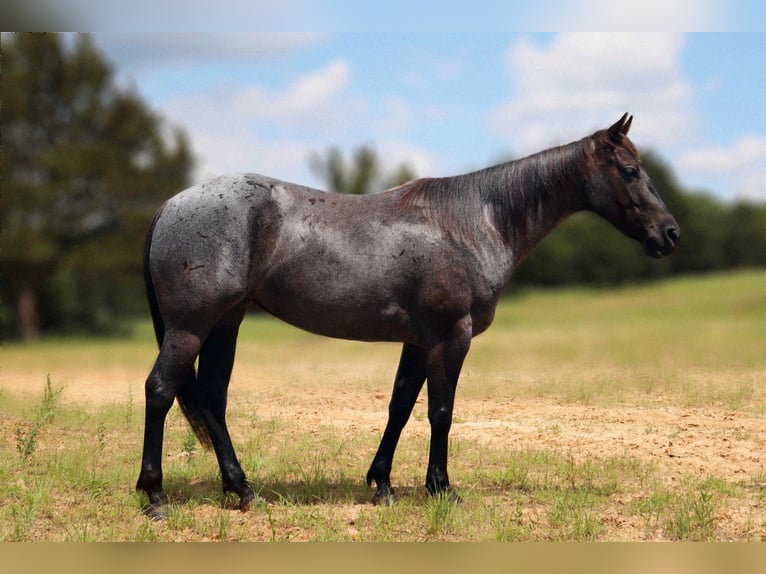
(448, 103)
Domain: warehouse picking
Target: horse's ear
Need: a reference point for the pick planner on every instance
(626, 125)
(620, 127)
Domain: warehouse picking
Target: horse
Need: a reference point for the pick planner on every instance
(422, 264)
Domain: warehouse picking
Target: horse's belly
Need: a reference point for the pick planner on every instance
(343, 321)
(349, 310)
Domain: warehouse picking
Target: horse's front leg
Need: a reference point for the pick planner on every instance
(445, 359)
(409, 380)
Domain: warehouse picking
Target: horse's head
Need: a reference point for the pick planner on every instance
(621, 192)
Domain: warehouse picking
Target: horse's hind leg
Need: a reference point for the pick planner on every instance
(174, 363)
(204, 402)
(409, 380)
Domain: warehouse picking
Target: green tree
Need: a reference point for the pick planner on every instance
(85, 164)
(363, 174)
(745, 242)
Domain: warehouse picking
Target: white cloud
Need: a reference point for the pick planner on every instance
(742, 165)
(308, 100)
(267, 130)
(274, 131)
(583, 82)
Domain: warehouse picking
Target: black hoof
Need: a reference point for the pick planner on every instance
(157, 507)
(156, 513)
(454, 497)
(246, 498)
(384, 497)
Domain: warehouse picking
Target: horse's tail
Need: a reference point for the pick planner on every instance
(151, 294)
(185, 397)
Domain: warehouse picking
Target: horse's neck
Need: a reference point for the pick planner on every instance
(539, 192)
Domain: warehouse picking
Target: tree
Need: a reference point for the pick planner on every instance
(362, 175)
(85, 164)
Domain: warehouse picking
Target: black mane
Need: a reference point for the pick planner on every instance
(511, 191)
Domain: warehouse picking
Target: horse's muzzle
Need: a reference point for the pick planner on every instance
(662, 239)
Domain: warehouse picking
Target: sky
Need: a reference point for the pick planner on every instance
(449, 103)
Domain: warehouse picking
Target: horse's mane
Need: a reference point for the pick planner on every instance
(509, 190)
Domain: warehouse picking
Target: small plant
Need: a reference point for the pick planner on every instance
(129, 408)
(21, 519)
(101, 437)
(508, 525)
(223, 525)
(26, 440)
(574, 515)
(272, 523)
(439, 511)
(189, 446)
(695, 517)
(95, 455)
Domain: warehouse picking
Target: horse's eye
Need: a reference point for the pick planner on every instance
(629, 172)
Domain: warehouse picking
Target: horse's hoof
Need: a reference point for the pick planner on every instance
(384, 497)
(156, 513)
(241, 497)
(454, 497)
(250, 500)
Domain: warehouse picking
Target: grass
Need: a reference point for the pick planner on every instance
(26, 438)
(70, 443)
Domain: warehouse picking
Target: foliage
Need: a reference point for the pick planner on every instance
(363, 174)
(85, 164)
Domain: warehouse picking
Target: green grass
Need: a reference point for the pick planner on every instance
(639, 342)
(68, 463)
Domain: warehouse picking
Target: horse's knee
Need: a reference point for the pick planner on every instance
(440, 419)
(158, 393)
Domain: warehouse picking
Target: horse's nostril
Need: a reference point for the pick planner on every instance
(672, 234)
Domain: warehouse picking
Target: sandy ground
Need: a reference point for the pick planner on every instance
(729, 444)
(679, 442)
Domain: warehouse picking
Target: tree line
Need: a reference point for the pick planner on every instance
(85, 164)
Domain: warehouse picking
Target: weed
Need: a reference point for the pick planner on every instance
(26, 440)
(79, 533)
(573, 515)
(515, 474)
(179, 517)
(146, 532)
(189, 446)
(21, 519)
(508, 526)
(272, 522)
(32, 501)
(439, 512)
(129, 408)
(695, 516)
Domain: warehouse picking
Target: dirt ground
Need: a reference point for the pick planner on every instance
(729, 444)
(679, 442)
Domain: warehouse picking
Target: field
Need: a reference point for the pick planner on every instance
(629, 414)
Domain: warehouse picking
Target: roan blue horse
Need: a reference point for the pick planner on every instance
(423, 264)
